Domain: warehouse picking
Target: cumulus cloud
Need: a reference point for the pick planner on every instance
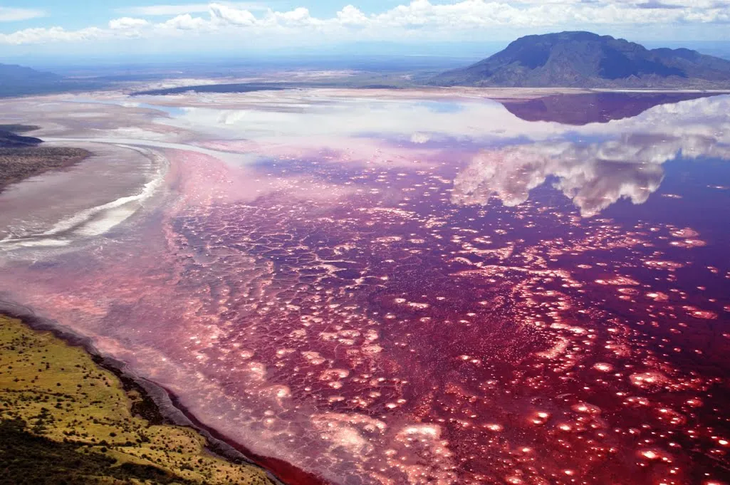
(127, 23)
(53, 34)
(298, 17)
(352, 16)
(225, 14)
(422, 16)
(185, 22)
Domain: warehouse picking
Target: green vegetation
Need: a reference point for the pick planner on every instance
(63, 419)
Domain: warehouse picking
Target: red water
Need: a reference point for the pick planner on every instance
(370, 323)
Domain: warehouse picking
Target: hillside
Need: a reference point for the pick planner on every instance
(19, 80)
(587, 60)
(65, 419)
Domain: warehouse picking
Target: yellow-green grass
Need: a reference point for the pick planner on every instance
(56, 393)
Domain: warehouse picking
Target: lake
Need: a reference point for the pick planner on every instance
(402, 287)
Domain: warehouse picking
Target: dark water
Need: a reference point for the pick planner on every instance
(545, 303)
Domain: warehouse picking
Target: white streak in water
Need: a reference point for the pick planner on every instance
(94, 221)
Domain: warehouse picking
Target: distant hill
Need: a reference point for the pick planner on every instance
(18, 80)
(12, 74)
(587, 60)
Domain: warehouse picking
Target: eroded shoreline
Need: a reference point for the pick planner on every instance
(18, 164)
(157, 405)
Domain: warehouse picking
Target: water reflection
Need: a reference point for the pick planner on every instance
(595, 175)
(583, 109)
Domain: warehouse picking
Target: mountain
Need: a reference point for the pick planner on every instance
(587, 60)
(19, 80)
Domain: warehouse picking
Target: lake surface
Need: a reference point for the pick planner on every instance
(411, 289)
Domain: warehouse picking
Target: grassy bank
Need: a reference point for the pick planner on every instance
(64, 419)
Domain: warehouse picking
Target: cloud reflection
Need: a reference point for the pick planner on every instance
(594, 176)
(599, 148)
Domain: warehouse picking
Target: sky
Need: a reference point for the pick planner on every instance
(128, 27)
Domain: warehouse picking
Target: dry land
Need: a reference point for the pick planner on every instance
(17, 164)
(64, 419)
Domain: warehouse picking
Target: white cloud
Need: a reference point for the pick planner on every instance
(352, 16)
(9, 14)
(225, 14)
(481, 13)
(53, 34)
(186, 22)
(299, 17)
(127, 23)
(419, 17)
(176, 10)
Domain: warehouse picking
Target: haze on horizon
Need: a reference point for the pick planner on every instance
(34, 29)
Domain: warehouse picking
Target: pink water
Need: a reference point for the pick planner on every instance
(481, 314)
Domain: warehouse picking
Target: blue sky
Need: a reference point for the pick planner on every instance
(109, 27)
(82, 13)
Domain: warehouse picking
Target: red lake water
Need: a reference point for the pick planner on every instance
(422, 291)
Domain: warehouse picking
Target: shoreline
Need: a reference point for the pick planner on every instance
(284, 472)
(159, 405)
(41, 167)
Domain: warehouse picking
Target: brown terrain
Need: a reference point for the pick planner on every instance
(22, 157)
(587, 60)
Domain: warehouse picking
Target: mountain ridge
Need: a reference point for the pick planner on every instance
(588, 60)
(18, 80)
